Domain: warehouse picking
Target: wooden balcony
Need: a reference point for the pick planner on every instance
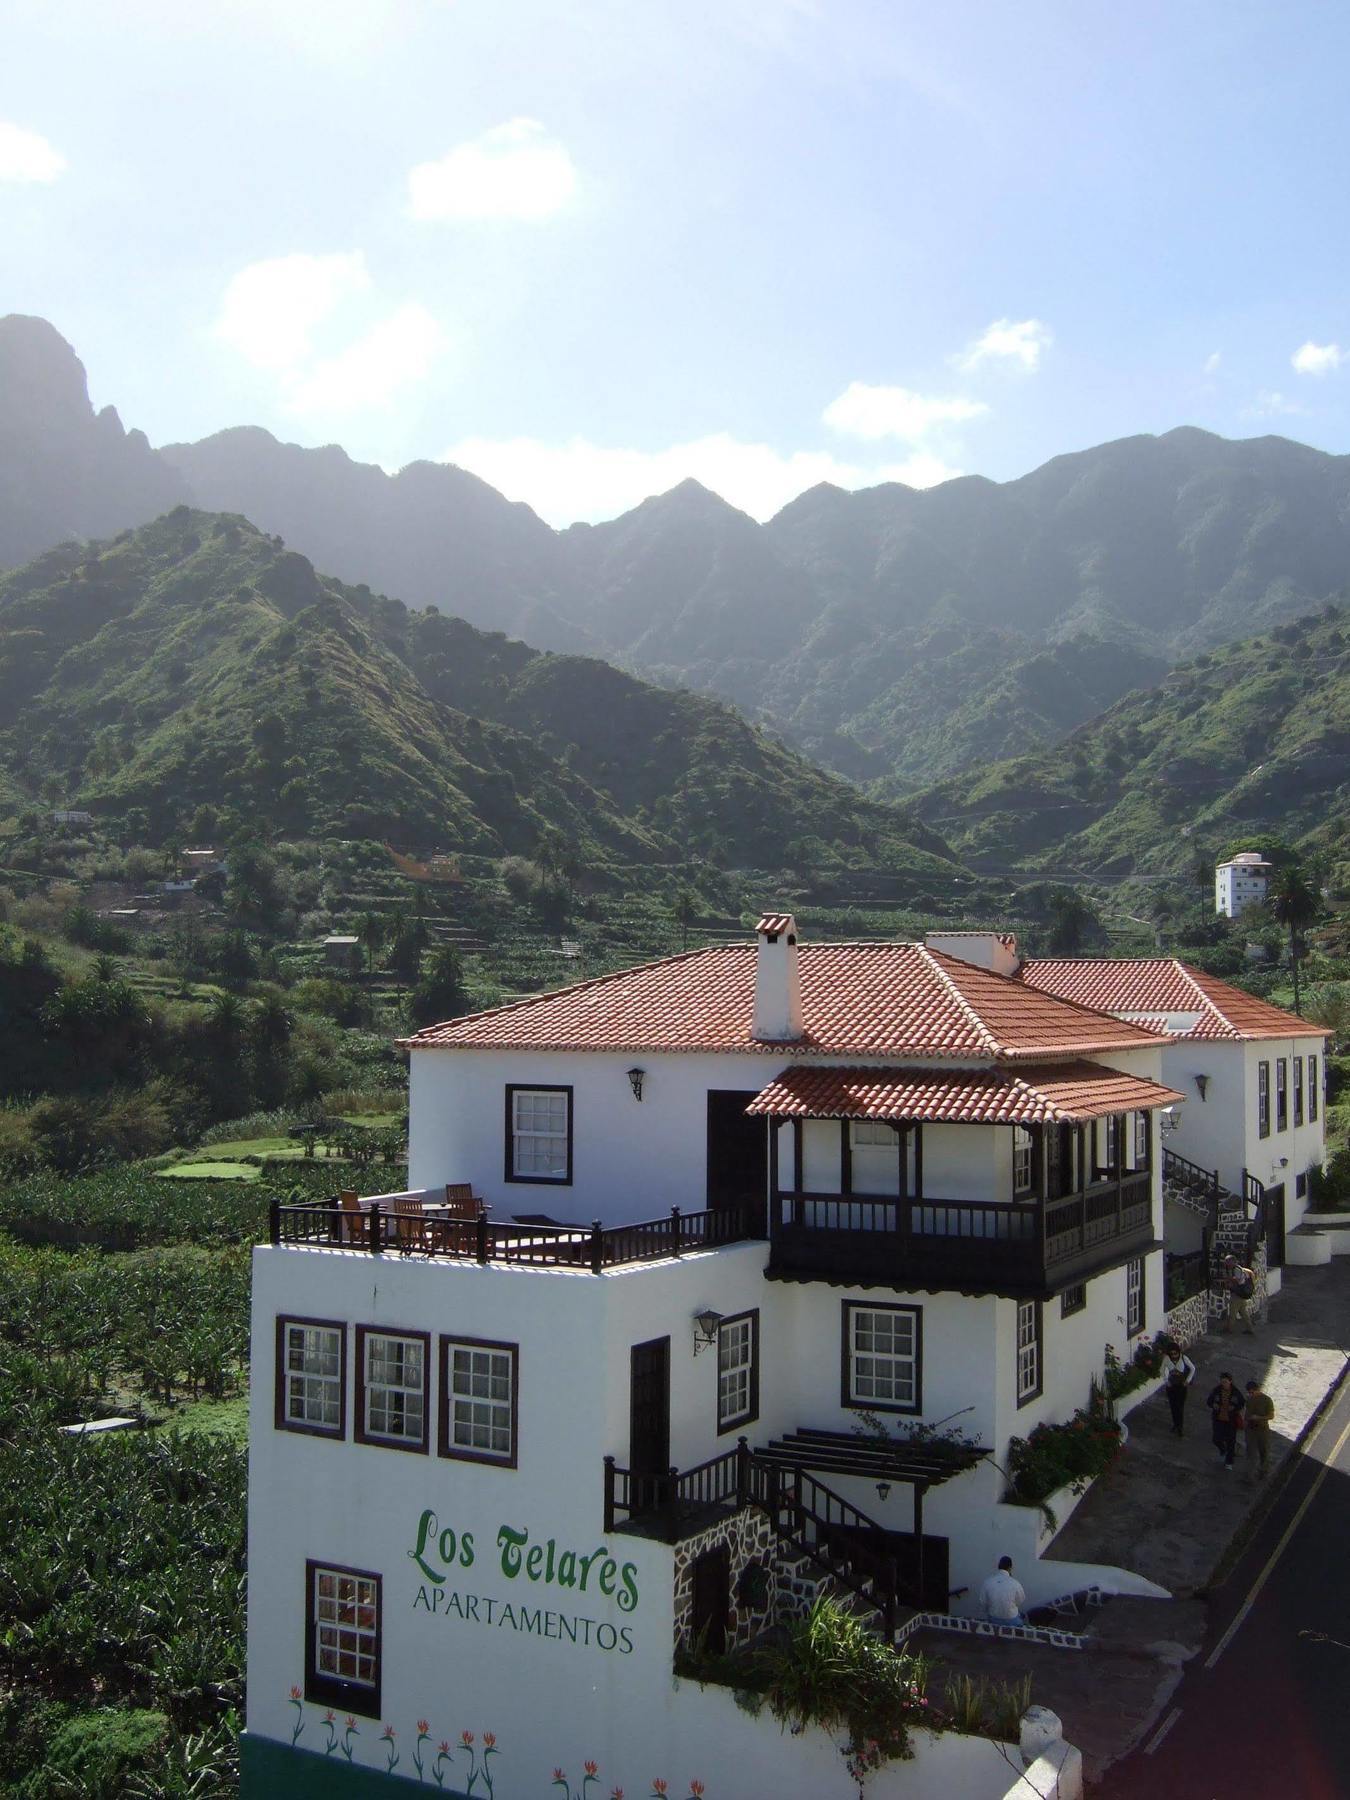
(1027, 1249)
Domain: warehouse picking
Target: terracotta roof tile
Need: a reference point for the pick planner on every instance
(774, 924)
(1053, 1093)
(1149, 988)
(862, 999)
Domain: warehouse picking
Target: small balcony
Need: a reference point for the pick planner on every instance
(1027, 1249)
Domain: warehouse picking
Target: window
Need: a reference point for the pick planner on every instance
(1263, 1099)
(1134, 1297)
(1282, 1093)
(1298, 1090)
(478, 1400)
(738, 1370)
(391, 1387)
(1301, 1185)
(311, 1377)
(1073, 1299)
(1112, 1161)
(882, 1362)
(1028, 1350)
(1022, 1160)
(1141, 1130)
(539, 1134)
(342, 1638)
(1313, 1090)
(871, 1134)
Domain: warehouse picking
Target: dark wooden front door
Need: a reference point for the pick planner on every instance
(711, 1601)
(1275, 1226)
(649, 1423)
(738, 1150)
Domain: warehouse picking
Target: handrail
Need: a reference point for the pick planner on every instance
(779, 1490)
(1180, 1169)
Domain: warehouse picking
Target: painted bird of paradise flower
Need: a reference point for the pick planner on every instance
(387, 1737)
(423, 1737)
(352, 1730)
(331, 1728)
(479, 1771)
(590, 1775)
(444, 1754)
(299, 1716)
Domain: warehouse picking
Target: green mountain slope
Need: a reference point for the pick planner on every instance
(1252, 737)
(197, 660)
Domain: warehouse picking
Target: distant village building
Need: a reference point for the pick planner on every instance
(1241, 882)
(342, 951)
(200, 862)
(67, 816)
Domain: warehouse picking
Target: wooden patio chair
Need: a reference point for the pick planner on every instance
(460, 1200)
(352, 1224)
(410, 1224)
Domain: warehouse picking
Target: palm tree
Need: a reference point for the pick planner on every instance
(684, 910)
(1294, 903)
(372, 936)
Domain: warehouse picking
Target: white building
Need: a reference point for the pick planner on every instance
(1240, 882)
(505, 1462)
(1253, 1075)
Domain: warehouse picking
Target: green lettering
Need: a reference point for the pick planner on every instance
(628, 1599)
(511, 1542)
(466, 1549)
(608, 1570)
(447, 1546)
(534, 1562)
(426, 1530)
(567, 1569)
(548, 1572)
(586, 1562)
(422, 1600)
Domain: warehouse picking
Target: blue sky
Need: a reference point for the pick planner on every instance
(588, 247)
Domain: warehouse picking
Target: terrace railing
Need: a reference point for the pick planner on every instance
(377, 1229)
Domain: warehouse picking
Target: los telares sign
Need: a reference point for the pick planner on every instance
(438, 1552)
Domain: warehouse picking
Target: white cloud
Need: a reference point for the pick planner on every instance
(1212, 362)
(271, 309)
(879, 412)
(27, 156)
(514, 171)
(1317, 359)
(1269, 404)
(367, 373)
(582, 480)
(1008, 340)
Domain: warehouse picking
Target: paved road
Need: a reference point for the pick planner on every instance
(1264, 1709)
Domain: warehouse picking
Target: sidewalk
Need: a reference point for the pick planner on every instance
(1169, 1511)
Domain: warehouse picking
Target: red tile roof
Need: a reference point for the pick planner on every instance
(863, 999)
(1051, 1093)
(1154, 988)
(774, 924)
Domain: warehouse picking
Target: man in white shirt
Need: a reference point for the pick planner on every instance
(1003, 1599)
(1179, 1372)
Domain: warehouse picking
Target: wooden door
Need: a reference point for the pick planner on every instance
(649, 1423)
(711, 1601)
(738, 1150)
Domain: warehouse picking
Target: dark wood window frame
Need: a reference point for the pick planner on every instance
(1263, 1099)
(847, 1398)
(1314, 1093)
(1035, 1392)
(733, 1421)
(1281, 1093)
(445, 1446)
(535, 1087)
(1073, 1300)
(280, 1419)
(1298, 1090)
(359, 1432)
(333, 1690)
(1136, 1328)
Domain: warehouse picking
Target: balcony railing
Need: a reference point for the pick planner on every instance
(1002, 1247)
(434, 1233)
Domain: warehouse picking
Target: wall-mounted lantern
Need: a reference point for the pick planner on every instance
(1202, 1082)
(636, 1077)
(883, 1491)
(705, 1328)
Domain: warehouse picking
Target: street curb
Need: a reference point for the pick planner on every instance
(1265, 1501)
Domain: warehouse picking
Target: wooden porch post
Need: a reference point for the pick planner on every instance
(918, 1543)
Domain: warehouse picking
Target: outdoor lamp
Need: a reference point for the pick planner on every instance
(636, 1077)
(705, 1328)
(1202, 1082)
(883, 1491)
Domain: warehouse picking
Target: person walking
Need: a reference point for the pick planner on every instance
(1225, 1407)
(1240, 1283)
(1179, 1371)
(1003, 1599)
(1259, 1411)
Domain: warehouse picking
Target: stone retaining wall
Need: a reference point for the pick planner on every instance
(750, 1539)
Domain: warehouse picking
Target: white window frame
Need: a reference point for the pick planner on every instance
(880, 1373)
(1281, 1093)
(1134, 1296)
(1263, 1099)
(479, 1400)
(539, 1134)
(312, 1376)
(871, 1134)
(394, 1391)
(1140, 1139)
(738, 1370)
(1024, 1160)
(1313, 1091)
(1299, 1113)
(343, 1638)
(1029, 1355)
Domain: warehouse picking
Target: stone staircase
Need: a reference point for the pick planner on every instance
(1234, 1224)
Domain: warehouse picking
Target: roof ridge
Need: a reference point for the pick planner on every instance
(996, 1048)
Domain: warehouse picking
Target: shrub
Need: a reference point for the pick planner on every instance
(1065, 1455)
(93, 1754)
(1144, 1366)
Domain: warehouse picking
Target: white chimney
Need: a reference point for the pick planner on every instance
(996, 950)
(778, 983)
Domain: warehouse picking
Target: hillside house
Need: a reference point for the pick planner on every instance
(1241, 882)
(1253, 1075)
(689, 1253)
(342, 952)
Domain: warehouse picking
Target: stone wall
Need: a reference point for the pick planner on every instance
(1189, 1321)
(753, 1548)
